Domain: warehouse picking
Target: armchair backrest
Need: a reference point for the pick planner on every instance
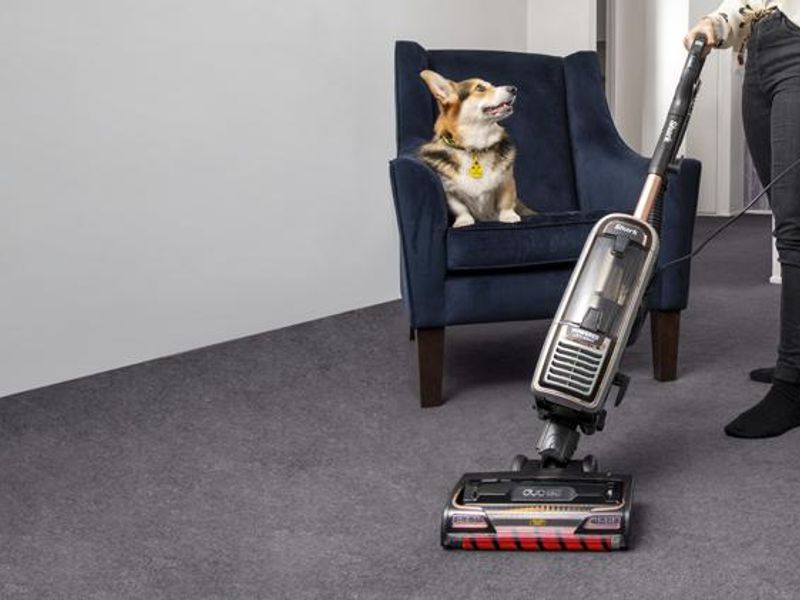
(544, 168)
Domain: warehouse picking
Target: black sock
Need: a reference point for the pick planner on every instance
(765, 375)
(777, 413)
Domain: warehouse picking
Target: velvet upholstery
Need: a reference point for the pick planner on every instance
(543, 239)
(572, 167)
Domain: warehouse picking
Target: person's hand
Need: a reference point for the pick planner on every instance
(706, 26)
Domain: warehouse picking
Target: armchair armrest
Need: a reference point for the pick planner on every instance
(422, 220)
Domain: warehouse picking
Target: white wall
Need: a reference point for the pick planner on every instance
(666, 22)
(703, 135)
(777, 276)
(648, 56)
(716, 135)
(627, 43)
(177, 173)
(561, 28)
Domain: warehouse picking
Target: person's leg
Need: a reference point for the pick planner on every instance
(757, 118)
(786, 208)
(779, 411)
(756, 111)
(780, 51)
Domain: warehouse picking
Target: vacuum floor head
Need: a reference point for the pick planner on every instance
(539, 509)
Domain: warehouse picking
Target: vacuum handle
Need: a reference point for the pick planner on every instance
(680, 110)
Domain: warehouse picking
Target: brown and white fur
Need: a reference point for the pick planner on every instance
(467, 127)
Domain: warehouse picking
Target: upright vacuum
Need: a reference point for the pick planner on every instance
(556, 502)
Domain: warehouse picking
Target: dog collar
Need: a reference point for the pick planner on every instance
(476, 168)
(447, 139)
(450, 142)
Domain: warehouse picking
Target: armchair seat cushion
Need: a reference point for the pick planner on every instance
(542, 239)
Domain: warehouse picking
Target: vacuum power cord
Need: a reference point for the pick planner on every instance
(727, 223)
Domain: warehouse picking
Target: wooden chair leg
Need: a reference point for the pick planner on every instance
(430, 356)
(665, 330)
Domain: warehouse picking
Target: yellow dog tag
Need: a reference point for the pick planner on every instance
(475, 170)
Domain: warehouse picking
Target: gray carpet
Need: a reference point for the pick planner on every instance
(296, 464)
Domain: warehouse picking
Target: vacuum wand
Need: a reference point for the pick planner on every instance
(579, 361)
(674, 128)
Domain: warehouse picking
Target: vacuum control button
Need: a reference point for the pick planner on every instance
(591, 320)
(620, 245)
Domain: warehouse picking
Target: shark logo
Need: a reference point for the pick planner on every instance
(625, 229)
(671, 127)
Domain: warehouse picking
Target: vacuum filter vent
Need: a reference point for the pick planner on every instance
(574, 368)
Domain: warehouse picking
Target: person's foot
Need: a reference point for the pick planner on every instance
(776, 414)
(763, 375)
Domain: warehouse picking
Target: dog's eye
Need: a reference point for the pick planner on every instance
(480, 88)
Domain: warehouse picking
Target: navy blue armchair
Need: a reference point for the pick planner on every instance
(572, 167)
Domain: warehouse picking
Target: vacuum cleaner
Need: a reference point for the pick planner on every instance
(556, 502)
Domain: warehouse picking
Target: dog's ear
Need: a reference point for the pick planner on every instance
(442, 89)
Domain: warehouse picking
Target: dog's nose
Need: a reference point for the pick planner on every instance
(512, 90)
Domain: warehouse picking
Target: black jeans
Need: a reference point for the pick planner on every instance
(771, 111)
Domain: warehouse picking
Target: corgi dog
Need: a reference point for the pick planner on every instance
(471, 152)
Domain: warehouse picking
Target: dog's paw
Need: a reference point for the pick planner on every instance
(463, 221)
(508, 216)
